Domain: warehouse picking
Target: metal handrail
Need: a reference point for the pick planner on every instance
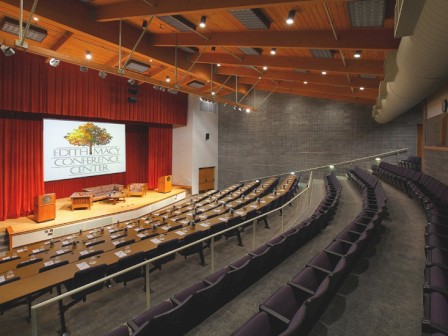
(385, 154)
(147, 262)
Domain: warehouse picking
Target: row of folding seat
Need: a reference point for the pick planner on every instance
(431, 195)
(294, 308)
(412, 162)
(187, 308)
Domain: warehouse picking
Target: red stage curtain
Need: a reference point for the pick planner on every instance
(21, 166)
(28, 84)
(136, 153)
(160, 154)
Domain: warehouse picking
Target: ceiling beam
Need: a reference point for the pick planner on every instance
(132, 8)
(373, 39)
(332, 90)
(318, 94)
(298, 77)
(304, 63)
(107, 34)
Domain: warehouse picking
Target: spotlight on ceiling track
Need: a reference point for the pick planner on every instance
(290, 18)
(202, 23)
(7, 51)
(273, 51)
(131, 81)
(102, 74)
(88, 55)
(54, 62)
(357, 54)
(248, 110)
(144, 24)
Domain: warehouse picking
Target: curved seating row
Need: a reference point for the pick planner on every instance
(432, 196)
(187, 308)
(412, 162)
(294, 308)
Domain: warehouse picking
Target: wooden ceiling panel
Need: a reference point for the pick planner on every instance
(319, 24)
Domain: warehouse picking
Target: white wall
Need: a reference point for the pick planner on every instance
(191, 150)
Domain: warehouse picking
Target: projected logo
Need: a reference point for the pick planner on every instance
(90, 135)
(80, 149)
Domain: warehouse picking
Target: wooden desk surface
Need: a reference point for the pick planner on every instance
(31, 280)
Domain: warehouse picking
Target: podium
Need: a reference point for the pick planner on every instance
(164, 184)
(44, 207)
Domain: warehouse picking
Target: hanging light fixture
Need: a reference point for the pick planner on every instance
(273, 51)
(167, 79)
(88, 55)
(357, 54)
(202, 23)
(290, 18)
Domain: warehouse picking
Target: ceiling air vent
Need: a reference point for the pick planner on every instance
(252, 19)
(196, 84)
(178, 22)
(367, 13)
(137, 66)
(12, 26)
(322, 53)
(251, 51)
(189, 50)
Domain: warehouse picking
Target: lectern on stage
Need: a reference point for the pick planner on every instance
(164, 185)
(44, 207)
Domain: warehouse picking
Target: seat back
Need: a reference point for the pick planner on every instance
(127, 262)
(55, 265)
(85, 277)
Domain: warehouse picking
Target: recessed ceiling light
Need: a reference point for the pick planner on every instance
(213, 93)
(35, 18)
(202, 23)
(362, 88)
(290, 18)
(167, 79)
(273, 51)
(218, 65)
(324, 73)
(88, 55)
(265, 68)
(357, 54)
(305, 82)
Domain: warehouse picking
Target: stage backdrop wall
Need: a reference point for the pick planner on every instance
(30, 90)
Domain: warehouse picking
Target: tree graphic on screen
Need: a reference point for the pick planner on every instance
(90, 135)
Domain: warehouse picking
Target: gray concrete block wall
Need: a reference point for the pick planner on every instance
(294, 133)
(436, 165)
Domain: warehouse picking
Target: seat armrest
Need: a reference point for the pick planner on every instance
(335, 253)
(319, 268)
(307, 290)
(274, 314)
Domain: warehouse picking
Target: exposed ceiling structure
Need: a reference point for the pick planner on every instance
(221, 50)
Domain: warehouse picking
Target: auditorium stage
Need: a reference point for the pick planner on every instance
(25, 230)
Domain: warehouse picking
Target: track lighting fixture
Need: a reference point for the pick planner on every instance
(131, 81)
(248, 110)
(290, 18)
(357, 54)
(88, 55)
(7, 51)
(202, 23)
(54, 62)
(273, 51)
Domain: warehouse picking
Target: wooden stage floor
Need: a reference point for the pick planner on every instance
(64, 214)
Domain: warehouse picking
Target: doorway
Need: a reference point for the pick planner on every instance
(206, 179)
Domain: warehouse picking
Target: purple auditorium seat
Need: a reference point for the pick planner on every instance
(435, 313)
(119, 331)
(239, 275)
(260, 257)
(283, 305)
(149, 314)
(435, 240)
(293, 240)
(438, 257)
(346, 250)
(258, 325)
(436, 278)
(308, 279)
(334, 265)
